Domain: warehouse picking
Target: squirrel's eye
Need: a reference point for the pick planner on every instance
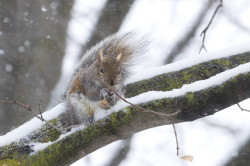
(101, 71)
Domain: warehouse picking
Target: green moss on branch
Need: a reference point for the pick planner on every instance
(174, 80)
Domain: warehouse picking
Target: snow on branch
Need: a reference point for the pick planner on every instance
(197, 89)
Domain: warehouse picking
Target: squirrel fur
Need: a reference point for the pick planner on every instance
(99, 72)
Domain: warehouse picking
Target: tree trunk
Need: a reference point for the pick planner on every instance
(32, 44)
(109, 22)
(242, 157)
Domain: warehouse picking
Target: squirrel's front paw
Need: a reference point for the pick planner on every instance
(108, 95)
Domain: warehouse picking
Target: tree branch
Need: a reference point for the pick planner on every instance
(67, 148)
(28, 107)
(242, 109)
(204, 32)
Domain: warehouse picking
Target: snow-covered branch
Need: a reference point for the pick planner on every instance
(194, 88)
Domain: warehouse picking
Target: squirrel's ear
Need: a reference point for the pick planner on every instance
(119, 57)
(100, 56)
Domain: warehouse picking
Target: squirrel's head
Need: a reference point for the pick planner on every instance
(109, 69)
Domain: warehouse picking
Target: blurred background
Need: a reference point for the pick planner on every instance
(40, 42)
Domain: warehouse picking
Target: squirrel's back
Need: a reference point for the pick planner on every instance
(130, 45)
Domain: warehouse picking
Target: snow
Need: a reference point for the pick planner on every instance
(208, 144)
(188, 62)
(35, 123)
(44, 9)
(6, 20)
(8, 68)
(1, 51)
(207, 149)
(78, 31)
(166, 21)
(21, 49)
(84, 19)
(40, 146)
(31, 125)
(27, 43)
(54, 5)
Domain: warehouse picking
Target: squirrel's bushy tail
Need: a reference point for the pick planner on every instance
(131, 45)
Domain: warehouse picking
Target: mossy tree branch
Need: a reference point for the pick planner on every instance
(122, 124)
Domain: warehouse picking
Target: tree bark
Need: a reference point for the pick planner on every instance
(122, 124)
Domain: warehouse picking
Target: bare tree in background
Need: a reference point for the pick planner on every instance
(109, 22)
(241, 158)
(191, 31)
(32, 44)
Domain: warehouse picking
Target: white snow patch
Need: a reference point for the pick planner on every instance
(182, 64)
(40, 146)
(31, 125)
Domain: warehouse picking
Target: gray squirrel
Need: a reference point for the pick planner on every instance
(99, 72)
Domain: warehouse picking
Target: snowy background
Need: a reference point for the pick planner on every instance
(211, 140)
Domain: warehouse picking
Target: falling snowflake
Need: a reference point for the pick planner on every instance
(8, 68)
(44, 9)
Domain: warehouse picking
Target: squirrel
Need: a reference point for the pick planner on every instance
(99, 72)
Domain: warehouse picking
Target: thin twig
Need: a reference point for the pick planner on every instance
(158, 113)
(242, 109)
(40, 109)
(176, 140)
(204, 32)
(143, 109)
(186, 38)
(28, 107)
